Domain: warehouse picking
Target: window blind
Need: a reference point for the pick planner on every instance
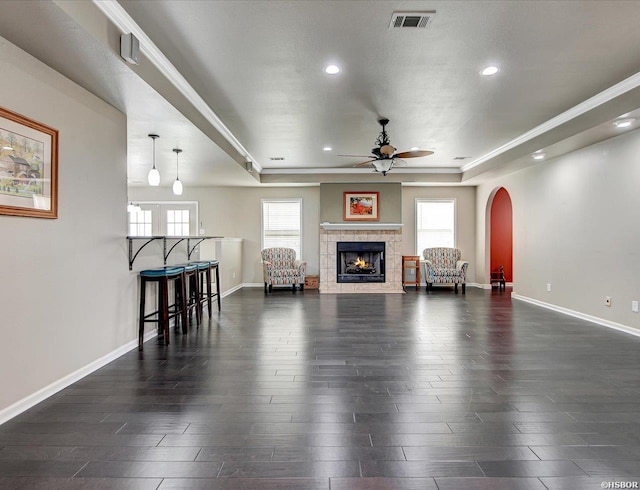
(435, 224)
(282, 224)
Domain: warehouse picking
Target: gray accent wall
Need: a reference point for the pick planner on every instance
(66, 294)
(390, 203)
(575, 226)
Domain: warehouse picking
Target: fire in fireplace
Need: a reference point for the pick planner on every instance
(360, 262)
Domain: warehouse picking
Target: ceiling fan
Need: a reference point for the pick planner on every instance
(385, 155)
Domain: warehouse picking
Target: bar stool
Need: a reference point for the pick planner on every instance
(204, 271)
(192, 279)
(165, 312)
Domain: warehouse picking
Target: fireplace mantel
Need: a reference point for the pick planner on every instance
(361, 226)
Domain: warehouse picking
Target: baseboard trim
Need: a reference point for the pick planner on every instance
(577, 314)
(488, 286)
(29, 401)
(231, 291)
(252, 284)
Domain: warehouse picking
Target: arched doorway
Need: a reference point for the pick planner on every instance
(501, 234)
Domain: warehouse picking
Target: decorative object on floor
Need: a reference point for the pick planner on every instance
(361, 206)
(385, 156)
(498, 278)
(281, 268)
(154, 176)
(443, 266)
(177, 185)
(311, 282)
(28, 167)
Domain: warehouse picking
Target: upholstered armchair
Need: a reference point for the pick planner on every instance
(443, 265)
(280, 267)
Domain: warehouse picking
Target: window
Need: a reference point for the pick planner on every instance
(435, 223)
(177, 222)
(140, 223)
(282, 224)
(170, 218)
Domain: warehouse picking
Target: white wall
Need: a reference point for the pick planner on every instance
(575, 225)
(465, 220)
(66, 295)
(236, 212)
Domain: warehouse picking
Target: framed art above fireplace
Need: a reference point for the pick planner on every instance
(361, 206)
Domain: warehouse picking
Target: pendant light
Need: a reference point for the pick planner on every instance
(177, 185)
(154, 176)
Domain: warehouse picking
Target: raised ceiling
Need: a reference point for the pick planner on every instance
(257, 66)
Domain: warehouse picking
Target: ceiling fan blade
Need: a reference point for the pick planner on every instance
(413, 154)
(356, 156)
(364, 164)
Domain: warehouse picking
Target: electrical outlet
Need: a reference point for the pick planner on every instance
(634, 306)
(548, 286)
(607, 301)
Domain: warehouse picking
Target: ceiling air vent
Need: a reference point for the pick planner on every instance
(411, 19)
(276, 159)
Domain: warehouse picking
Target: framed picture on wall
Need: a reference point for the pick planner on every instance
(28, 167)
(361, 206)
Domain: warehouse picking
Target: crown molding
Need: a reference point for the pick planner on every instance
(597, 100)
(123, 21)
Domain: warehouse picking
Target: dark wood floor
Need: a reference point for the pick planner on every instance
(347, 392)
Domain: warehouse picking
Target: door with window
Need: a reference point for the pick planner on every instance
(164, 218)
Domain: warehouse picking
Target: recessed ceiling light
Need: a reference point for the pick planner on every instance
(327, 148)
(538, 156)
(490, 70)
(623, 123)
(414, 148)
(332, 69)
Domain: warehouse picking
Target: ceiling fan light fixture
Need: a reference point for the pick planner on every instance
(332, 69)
(387, 150)
(490, 70)
(383, 166)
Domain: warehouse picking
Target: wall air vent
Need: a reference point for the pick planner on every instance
(401, 20)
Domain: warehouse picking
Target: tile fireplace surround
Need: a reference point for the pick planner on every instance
(331, 233)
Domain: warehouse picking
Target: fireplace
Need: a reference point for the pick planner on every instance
(360, 262)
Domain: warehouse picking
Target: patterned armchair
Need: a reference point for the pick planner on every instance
(443, 265)
(280, 267)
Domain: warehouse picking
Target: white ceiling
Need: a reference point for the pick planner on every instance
(257, 67)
